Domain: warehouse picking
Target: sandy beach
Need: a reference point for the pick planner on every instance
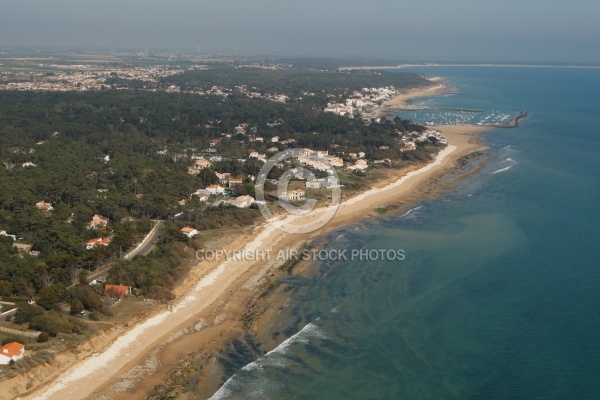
(398, 102)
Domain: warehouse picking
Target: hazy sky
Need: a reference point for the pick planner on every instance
(465, 30)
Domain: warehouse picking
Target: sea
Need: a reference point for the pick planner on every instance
(497, 295)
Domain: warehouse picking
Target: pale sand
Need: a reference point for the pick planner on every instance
(401, 100)
(217, 284)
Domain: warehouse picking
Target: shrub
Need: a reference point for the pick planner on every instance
(10, 339)
(26, 312)
(43, 337)
(53, 324)
(160, 293)
(76, 306)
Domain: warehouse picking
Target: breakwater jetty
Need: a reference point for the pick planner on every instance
(513, 123)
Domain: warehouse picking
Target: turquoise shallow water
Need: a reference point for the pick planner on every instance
(498, 297)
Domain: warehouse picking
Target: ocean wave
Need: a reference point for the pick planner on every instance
(410, 211)
(341, 236)
(275, 358)
(507, 160)
(503, 169)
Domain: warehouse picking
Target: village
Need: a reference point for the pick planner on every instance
(88, 77)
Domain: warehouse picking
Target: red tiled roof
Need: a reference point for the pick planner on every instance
(12, 349)
(116, 290)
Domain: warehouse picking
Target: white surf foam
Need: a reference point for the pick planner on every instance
(275, 358)
(503, 169)
(410, 211)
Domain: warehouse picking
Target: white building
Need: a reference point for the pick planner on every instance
(189, 232)
(293, 195)
(42, 205)
(215, 189)
(241, 201)
(11, 351)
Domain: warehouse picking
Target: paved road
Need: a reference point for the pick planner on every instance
(149, 242)
(144, 249)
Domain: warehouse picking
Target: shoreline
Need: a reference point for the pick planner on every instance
(399, 102)
(478, 65)
(210, 294)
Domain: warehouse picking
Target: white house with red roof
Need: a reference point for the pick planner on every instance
(215, 189)
(118, 291)
(98, 221)
(11, 351)
(42, 205)
(189, 232)
(97, 242)
(235, 181)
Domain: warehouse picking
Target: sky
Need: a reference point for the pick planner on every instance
(427, 30)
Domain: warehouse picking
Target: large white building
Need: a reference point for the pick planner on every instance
(294, 195)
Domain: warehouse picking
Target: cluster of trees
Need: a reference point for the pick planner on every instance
(50, 323)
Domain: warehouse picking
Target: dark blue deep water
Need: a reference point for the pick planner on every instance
(499, 294)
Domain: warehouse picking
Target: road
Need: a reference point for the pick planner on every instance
(141, 250)
(148, 243)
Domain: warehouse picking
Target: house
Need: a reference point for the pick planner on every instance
(409, 147)
(182, 202)
(202, 194)
(98, 221)
(42, 205)
(235, 181)
(189, 232)
(256, 154)
(198, 165)
(241, 201)
(4, 233)
(28, 164)
(223, 177)
(215, 189)
(360, 165)
(293, 195)
(275, 139)
(93, 243)
(215, 142)
(11, 351)
(119, 291)
(241, 129)
(328, 182)
(314, 184)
